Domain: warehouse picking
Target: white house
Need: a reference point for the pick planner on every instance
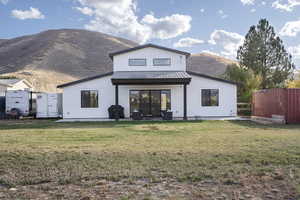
(150, 79)
(13, 84)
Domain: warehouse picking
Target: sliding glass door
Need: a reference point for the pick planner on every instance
(150, 102)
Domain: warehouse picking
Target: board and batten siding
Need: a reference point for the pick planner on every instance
(106, 91)
(227, 98)
(178, 61)
(72, 99)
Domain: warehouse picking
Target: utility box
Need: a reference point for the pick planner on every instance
(19, 102)
(49, 105)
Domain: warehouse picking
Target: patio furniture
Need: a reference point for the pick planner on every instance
(167, 115)
(137, 115)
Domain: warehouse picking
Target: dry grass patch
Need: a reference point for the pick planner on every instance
(242, 156)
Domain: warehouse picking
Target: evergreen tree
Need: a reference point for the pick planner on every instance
(263, 52)
(246, 79)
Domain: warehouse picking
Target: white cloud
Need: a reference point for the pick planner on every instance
(253, 10)
(247, 2)
(295, 51)
(222, 14)
(228, 41)
(118, 17)
(263, 3)
(85, 10)
(33, 13)
(188, 42)
(4, 1)
(167, 27)
(286, 5)
(291, 29)
(202, 10)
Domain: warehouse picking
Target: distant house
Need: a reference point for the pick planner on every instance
(13, 84)
(150, 79)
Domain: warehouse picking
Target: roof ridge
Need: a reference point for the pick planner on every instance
(111, 55)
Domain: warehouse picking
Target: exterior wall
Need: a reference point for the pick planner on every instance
(72, 99)
(227, 98)
(178, 61)
(106, 91)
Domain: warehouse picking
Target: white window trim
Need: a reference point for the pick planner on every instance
(161, 65)
(137, 59)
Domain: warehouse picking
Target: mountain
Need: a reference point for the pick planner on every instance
(209, 64)
(53, 57)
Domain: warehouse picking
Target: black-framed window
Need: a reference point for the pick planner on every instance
(137, 62)
(89, 99)
(161, 61)
(210, 97)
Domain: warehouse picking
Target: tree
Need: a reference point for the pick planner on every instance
(246, 79)
(263, 52)
(295, 83)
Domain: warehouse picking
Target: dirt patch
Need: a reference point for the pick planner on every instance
(158, 127)
(247, 187)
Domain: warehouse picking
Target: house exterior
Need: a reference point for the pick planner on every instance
(13, 84)
(150, 79)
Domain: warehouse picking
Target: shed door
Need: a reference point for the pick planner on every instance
(42, 108)
(52, 105)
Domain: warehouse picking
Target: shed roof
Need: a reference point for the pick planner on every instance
(151, 77)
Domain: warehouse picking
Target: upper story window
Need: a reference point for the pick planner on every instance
(89, 99)
(161, 61)
(137, 62)
(210, 97)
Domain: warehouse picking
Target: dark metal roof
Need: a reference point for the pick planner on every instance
(151, 77)
(111, 55)
(84, 80)
(211, 77)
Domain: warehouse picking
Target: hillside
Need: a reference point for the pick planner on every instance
(57, 56)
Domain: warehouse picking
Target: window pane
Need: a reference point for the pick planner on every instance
(161, 61)
(137, 62)
(89, 99)
(210, 97)
(165, 100)
(134, 101)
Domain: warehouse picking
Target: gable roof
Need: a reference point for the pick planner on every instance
(211, 77)
(111, 55)
(177, 74)
(84, 80)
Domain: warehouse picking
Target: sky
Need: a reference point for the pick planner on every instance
(214, 26)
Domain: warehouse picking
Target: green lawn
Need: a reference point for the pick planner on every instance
(231, 154)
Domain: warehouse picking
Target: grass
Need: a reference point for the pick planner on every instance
(34, 152)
